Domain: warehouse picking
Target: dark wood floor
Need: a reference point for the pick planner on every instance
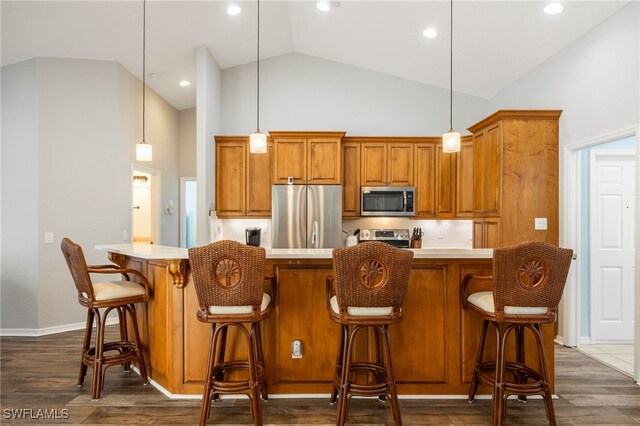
(40, 373)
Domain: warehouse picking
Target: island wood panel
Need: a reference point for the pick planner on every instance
(350, 179)
(464, 180)
(419, 344)
(425, 201)
(302, 315)
(530, 160)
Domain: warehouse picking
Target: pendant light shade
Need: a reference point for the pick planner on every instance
(258, 140)
(258, 143)
(451, 139)
(144, 151)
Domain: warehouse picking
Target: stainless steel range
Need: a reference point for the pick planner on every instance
(395, 237)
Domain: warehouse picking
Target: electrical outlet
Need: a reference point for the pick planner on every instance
(540, 223)
(48, 237)
(440, 234)
(125, 235)
(296, 349)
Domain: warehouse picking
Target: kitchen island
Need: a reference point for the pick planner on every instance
(433, 349)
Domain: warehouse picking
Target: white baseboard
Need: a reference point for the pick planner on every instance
(36, 332)
(586, 340)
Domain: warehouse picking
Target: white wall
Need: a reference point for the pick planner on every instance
(208, 124)
(595, 81)
(301, 92)
(19, 169)
(87, 124)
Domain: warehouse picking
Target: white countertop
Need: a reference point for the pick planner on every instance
(150, 251)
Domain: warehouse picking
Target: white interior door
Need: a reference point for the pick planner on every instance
(612, 213)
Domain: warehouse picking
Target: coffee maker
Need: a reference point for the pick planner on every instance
(253, 236)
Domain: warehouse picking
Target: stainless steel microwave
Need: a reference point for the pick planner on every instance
(387, 201)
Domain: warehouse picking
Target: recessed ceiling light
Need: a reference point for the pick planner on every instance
(234, 10)
(553, 8)
(430, 33)
(326, 6)
(184, 83)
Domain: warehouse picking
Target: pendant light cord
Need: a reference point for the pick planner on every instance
(258, 74)
(451, 72)
(144, 71)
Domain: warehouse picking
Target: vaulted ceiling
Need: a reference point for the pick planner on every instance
(495, 42)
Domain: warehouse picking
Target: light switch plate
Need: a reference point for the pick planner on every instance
(540, 223)
(48, 237)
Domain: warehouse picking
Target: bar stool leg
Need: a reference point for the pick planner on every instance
(124, 336)
(521, 376)
(544, 372)
(380, 359)
(344, 331)
(260, 356)
(142, 366)
(206, 393)
(345, 379)
(391, 382)
(85, 346)
(254, 381)
(476, 371)
(498, 389)
(96, 384)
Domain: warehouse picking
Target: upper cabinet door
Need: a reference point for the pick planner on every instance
(445, 184)
(425, 160)
(230, 178)
(350, 179)
(259, 182)
(399, 164)
(492, 169)
(464, 180)
(290, 160)
(373, 171)
(323, 161)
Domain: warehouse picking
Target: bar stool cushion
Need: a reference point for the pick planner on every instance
(112, 290)
(359, 311)
(484, 301)
(225, 310)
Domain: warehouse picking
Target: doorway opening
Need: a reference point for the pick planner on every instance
(188, 209)
(145, 202)
(606, 253)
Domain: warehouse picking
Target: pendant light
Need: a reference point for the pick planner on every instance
(451, 139)
(143, 149)
(258, 140)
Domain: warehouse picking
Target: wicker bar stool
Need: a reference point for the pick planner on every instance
(367, 292)
(119, 295)
(528, 281)
(229, 281)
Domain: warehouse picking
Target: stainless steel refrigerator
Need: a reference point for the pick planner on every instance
(306, 216)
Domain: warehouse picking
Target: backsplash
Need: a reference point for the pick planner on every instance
(437, 233)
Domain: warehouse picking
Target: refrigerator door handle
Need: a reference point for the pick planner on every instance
(314, 237)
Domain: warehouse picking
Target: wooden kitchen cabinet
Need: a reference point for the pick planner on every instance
(308, 157)
(385, 163)
(350, 179)
(425, 172)
(243, 180)
(464, 179)
(445, 183)
(515, 177)
(486, 233)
